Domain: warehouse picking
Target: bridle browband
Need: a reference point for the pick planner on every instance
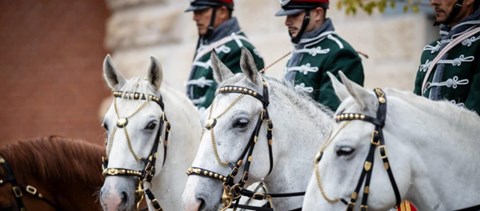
(146, 175)
(231, 190)
(377, 141)
(18, 189)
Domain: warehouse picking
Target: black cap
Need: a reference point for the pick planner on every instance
(292, 7)
(205, 4)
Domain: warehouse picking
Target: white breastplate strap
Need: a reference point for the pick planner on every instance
(313, 51)
(305, 69)
(451, 82)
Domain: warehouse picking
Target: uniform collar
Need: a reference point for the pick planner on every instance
(317, 34)
(466, 23)
(225, 29)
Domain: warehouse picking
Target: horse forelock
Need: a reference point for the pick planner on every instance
(55, 159)
(137, 84)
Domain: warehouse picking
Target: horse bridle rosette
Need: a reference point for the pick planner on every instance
(377, 141)
(146, 175)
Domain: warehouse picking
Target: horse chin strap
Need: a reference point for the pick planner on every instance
(146, 175)
(377, 141)
(18, 189)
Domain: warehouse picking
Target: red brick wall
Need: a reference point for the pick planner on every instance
(51, 54)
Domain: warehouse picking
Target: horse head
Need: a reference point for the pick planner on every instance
(240, 144)
(137, 138)
(388, 146)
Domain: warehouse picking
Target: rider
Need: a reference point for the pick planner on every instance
(317, 50)
(220, 32)
(455, 74)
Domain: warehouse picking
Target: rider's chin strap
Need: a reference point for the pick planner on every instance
(306, 20)
(453, 14)
(377, 141)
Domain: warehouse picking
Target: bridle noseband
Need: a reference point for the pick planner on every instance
(146, 175)
(377, 141)
(231, 190)
(19, 189)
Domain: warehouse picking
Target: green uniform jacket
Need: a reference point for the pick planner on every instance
(201, 85)
(313, 58)
(459, 81)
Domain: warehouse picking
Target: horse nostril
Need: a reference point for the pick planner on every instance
(202, 204)
(124, 197)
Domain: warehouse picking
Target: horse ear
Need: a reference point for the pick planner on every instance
(339, 88)
(247, 63)
(114, 79)
(220, 71)
(155, 73)
(359, 94)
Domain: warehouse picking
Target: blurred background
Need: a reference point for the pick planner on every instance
(51, 53)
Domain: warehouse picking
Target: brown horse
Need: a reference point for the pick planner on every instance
(50, 173)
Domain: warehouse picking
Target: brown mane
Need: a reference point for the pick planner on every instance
(55, 159)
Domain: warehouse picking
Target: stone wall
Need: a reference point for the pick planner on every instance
(51, 56)
(139, 29)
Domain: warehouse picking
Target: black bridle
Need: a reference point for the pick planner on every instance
(148, 172)
(231, 190)
(19, 189)
(377, 141)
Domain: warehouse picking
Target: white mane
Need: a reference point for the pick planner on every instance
(296, 97)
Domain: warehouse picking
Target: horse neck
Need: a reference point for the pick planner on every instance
(448, 137)
(71, 175)
(298, 134)
(182, 145)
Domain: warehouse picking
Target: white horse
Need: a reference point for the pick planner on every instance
(299, 126)
(433, 153)
(138, 123)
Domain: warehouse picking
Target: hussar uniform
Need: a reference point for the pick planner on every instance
(317, 52)
(455, 76)
(226, 40)
(327, 52)
(201, 86)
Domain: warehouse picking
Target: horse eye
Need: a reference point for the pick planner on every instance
(241, 123)
(151, 125)
(345, 151)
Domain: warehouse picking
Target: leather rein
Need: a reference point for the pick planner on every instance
(233, 191)
(146, 175)
(19, 189)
